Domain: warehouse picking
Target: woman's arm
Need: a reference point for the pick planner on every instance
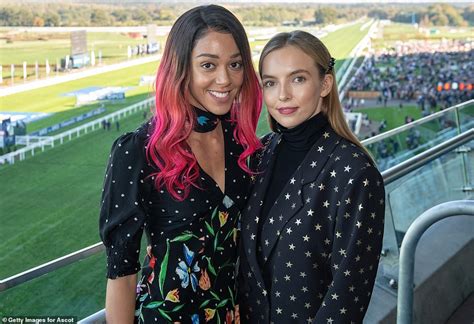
(356, 246)
(120, 299)
(122, 218)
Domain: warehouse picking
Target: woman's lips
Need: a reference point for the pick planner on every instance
(287, 110)
(220, 96)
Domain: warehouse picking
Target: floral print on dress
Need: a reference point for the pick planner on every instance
(186, 270)
(197, 271)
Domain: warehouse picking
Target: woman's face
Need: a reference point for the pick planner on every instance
(216, 72)
(292, 87)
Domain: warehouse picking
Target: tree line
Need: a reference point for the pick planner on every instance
(127, 14)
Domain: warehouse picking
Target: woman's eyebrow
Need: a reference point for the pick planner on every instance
(266, 76)
(216, 56)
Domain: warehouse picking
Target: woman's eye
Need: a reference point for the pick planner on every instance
(207, 66)
(268, 84)
(299, 79)
(236, 65)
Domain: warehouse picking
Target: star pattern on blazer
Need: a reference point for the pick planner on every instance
(317, 254)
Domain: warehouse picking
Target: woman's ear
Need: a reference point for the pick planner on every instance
(328, 80)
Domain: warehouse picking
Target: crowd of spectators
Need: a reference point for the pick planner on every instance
(433, 74)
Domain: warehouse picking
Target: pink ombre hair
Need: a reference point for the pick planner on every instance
(174, 117)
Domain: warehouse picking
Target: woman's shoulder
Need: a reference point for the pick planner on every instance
(350, 165)
(132, 144)
(267, 138)
(137, 137)
(257, 157)
(353, 154)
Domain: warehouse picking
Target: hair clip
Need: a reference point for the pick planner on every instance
(331, 64)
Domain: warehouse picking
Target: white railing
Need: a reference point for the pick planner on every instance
(358, 121)
(354, 55)
(21, 154)
(347, 86)
(75, 75)
(31, 139)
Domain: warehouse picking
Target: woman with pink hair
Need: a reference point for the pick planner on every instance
(183, 178)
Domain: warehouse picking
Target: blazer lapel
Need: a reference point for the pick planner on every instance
(290, 201)
(251, 214)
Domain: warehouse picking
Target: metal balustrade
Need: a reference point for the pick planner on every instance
(407, 252)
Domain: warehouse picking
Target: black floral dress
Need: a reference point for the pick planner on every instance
(189, 274)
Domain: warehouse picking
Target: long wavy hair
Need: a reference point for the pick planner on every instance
(312, 46)
(174, 117)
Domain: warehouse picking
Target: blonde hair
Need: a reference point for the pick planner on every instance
(312, 46)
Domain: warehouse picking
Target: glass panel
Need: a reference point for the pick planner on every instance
(75, 290)
(439, 181)
(468, 162)
(390, 253)
(406, 144)
(466, 117)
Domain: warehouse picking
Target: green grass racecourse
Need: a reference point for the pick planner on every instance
(49, 99)
(403, 32)
(393, 115)
(50, 205)
(52, 48)
(50, 202)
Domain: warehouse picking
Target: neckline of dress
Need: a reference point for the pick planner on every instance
(206, 175)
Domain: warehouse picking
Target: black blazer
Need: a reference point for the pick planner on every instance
(320, 244)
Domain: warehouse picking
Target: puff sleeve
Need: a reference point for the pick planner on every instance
(123, 207)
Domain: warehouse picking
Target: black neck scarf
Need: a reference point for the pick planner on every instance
(205, 121)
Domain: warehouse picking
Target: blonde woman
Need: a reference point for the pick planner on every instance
(312, 230)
